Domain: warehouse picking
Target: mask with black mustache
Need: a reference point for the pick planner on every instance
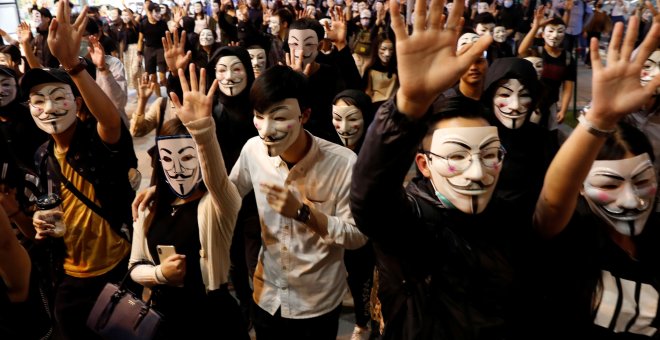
(53, 107)
(180, 162)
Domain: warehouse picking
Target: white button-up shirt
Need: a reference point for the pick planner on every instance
(299, 271)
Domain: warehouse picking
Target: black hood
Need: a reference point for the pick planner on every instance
(510, 68)
(244, 57)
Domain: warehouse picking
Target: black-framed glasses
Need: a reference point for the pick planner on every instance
(491, 157)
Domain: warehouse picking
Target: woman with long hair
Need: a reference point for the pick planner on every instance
(380, 80)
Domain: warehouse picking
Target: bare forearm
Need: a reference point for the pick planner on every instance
(100, 106)
(30, 57)
(528, 41)
(566, 95)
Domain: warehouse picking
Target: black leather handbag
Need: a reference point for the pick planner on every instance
(119, 314)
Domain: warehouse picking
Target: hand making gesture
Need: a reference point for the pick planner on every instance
(176, 56)
(64, 37)
(197, 103)
(427, 60)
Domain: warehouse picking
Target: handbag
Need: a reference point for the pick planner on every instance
(119, 314)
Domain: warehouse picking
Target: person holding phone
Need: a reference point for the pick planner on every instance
(187, 231)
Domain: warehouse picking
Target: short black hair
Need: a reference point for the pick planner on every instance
(308, 24)
(277, 84)
(43, 11)
(93, 27)
(285, 16)
(555, 21)
(627, 138)
(451, 107)
(153, 6)
(483, 18)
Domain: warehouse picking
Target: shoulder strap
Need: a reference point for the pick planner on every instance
(57, 171)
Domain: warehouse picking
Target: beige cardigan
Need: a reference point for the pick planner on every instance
(216, 214)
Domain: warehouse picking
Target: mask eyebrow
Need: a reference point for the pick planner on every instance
(461, 144)
(610, 175)
(165, 150)
(642, 171)
(488, 143)
(278, 108)
(184, 149)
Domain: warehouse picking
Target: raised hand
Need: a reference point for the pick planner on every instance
(427, 60)
(176, 56)
(24, 33)
(337, 31)
(197, 103)
(297, 64)
(146, 88)
(96, 52)
(616, 90)
(64, 37)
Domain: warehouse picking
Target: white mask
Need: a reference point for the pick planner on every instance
(622, 192)
(499, 34)
(553, 35)
(156, 14)
(36, 19)
(206, 37)
(231, 75)
(304, 43)
(651, 68)
(198, 8)
(126, 18)
(279, 125)
(465, 180)
(171, 26)
(467, 38)
(53, 107)
(449, 6)
(386, 51)
(484, 29)
(508, 3)
(215, 7)
(482, 7)
(349, 123)
(8, 90)
(274, 25)
(511, 103)
(258, 59)
(537, 62)
(178, 156)
(113, 15)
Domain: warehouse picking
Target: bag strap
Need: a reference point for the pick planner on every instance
(57, 171)
(130, 269)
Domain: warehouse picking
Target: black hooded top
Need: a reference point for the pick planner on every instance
(232, 115)
(362, 102)
(530, 148)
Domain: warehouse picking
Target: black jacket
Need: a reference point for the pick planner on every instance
(444, 274)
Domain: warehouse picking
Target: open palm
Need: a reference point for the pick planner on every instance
(427, 60)
(197, 102)
(616, 90)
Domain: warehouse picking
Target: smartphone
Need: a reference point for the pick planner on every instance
(165, 252)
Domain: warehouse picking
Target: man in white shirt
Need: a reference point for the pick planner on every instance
(301, 184)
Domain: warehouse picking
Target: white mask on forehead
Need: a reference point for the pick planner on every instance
(8, 90)
(467, 38)
(156, 14)
(304, 43)
(553, 35)
(279, 125)
(231, 75)
(180, 162)
(53, 107)
(622, 192)
(349, 123)
(651, 68)
(258, 60)
(538, 65)
(499, 34)
(512, 103)
(206, 37)
(470, 189)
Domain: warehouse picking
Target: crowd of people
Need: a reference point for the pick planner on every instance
(302, 151)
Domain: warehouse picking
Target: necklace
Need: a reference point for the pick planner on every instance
(175, 208)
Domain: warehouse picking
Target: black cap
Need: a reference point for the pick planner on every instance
(4, 70)
(38, 76)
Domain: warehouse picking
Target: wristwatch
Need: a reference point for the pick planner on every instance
(78, 68)
(304, 214)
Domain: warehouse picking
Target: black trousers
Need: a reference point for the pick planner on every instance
(360, 267)
(275, 327)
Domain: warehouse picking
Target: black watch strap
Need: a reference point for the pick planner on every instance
(304, 214)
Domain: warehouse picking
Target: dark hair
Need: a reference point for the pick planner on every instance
(627, 138)
(452, 107)
(391, 67)
(277, 84)
(285, 16)
(203, 12)
(308, 24)
(153, 6)
(92, 10)
(43, 11)
(555, 21)
(13, 52)
(92, 27)
(483, 18)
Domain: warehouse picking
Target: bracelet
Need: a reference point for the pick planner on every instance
(82, 64)
(593, 129)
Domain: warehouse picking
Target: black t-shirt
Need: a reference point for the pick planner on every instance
(555, 72)
(153, 33)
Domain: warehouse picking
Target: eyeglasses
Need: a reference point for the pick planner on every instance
(461, 160)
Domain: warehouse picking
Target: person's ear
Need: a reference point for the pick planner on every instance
(423, 164)
(305, 115)
(79, 104)
(285, 24)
